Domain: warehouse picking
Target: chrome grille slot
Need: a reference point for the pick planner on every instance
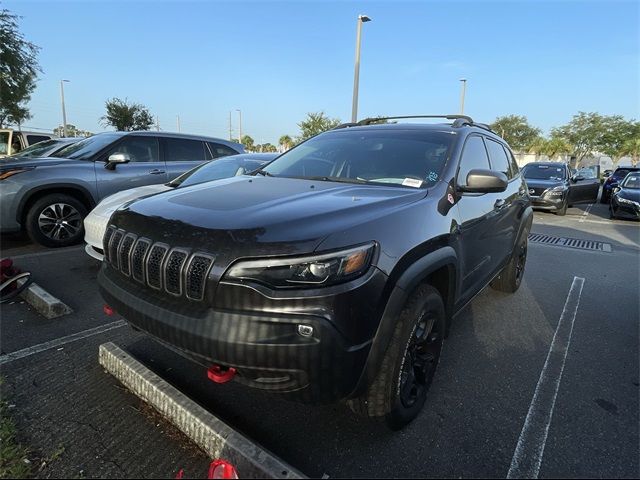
(137, 259)
(154, 265)
(114, 243)
(105, 241)
(173, 271)
(124, 251)
(196, 275)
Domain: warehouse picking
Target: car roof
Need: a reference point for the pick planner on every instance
(147, 133)
(548, 164)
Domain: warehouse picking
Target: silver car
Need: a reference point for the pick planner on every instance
(49, 197)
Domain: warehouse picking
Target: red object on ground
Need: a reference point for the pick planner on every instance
(180, 474)
(222, 469)
(7, 270)
(219, 375)
(108, 310)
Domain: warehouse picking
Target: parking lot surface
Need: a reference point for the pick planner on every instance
(500, 394)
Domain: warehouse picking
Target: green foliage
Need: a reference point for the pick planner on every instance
(248, 143)
(286, 142)
(126, 117)
(72, 131)
(316, 123)
(631, 148)
(13, 456)
(517, 132)
(18, 71)
(551, 147)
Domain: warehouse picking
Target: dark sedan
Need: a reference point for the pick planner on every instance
(613, 180)
(625, 200)
(553, 188)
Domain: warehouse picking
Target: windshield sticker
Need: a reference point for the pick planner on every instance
(432, 177)
(412, 182)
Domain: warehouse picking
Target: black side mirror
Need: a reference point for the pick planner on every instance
(577, 178)
(115, 159)
(485, 181)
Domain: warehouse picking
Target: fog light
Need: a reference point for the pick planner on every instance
(305, 330)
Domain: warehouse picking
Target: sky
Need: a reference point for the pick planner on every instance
(276, 61)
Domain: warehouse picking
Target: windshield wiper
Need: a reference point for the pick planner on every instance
(263, 173)
(336, 179)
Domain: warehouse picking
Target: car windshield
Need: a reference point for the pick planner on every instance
(217, 169)
(39, 149)
(85, 149)
(391, 156)
(632, 181)
(620, 173)
(544, 172)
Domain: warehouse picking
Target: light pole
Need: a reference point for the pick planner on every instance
(239, 127)
(64, 113)
(463, 90)
(356, 76)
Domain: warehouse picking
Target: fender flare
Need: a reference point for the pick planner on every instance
(52, 186)
(410, 279)
(525, 224)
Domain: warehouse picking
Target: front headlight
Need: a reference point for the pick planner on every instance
(556, 191)
(626, 201)
(304, 272)
(13, 171)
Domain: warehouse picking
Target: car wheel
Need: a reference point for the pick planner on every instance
(562, 211)
(399, 390)
(510, 278)
(55, 220)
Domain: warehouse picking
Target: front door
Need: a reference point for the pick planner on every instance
(144, 168)
(583, 190)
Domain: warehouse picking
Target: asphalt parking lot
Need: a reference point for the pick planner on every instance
(551, 373)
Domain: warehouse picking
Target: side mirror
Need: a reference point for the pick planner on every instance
(485, 181)
(616, 189)
(577, 178)
(115, 159)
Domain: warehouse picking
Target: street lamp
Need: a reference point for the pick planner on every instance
(64, 113)
(239, 127)
(356, 76)
(462, 93)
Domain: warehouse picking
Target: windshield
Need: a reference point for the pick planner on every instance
(402, 157)
(544, 172)
(215, 170)
(39, 149)
(632, 181)
(620, 173)
(85, 149)
(4, 143)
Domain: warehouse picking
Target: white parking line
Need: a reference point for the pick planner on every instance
(42, 254)
(527, 456)
(25, 352)
(586, 213)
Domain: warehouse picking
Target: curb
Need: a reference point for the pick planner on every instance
(207, 431)
(43, 301)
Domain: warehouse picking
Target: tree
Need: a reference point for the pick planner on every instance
(517, 132)
(316, 123)
(126, 117)
(585, 132)
(18, 71)
(551, 147)
(248, 143)
(631, 148)
(617, 132)
(72, 131)
(286, 142)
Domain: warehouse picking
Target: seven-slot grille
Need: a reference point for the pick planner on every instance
(157, 265)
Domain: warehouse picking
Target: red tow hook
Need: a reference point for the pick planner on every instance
(220, 374)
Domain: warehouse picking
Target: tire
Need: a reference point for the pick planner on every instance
(56, 220)
(510, 278)
(562, 211)
(399, 390)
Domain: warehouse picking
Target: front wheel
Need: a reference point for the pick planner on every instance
(399, 390)
(510, 278)
(55, 220)
(562, 211)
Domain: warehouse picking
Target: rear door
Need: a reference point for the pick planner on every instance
(145, 167)
(182, 154)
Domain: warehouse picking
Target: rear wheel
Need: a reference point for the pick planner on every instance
(55, 220)
(400, 389)
(510, 278)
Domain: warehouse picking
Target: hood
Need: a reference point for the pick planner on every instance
(536, 183)
(259, 215)
(111, 203)
(630, 194)
(21, 162)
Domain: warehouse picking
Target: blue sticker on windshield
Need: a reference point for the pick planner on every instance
(432, 177)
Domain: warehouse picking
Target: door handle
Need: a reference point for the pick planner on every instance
(156, 171)
(499, 204)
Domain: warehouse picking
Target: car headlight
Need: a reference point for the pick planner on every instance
(304, 272)
(556, 191)
(13, 171)
(626, 201)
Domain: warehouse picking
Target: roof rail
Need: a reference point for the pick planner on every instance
(345, 125)
(369, 121)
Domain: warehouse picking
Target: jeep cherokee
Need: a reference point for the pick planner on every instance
(331, 273)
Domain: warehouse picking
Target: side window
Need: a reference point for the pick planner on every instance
(31, 139)
(139, 149)
(183, 150)
(474, 155)
(219, 150)
(515, 170)
(499, 160)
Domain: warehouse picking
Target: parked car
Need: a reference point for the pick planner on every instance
(612, 181)
(13, 141)
(49, 197)
(553, 188)
(95, 224)
(625, 200)
(333, 272)
(44, 148)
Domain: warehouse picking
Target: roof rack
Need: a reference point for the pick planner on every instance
(458, 121)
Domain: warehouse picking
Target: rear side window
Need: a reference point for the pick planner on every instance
(181, 150)
(217, 150)
(474, 156)
(515, 170)
(498, 157)
(31, 139)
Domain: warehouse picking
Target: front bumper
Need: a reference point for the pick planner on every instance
(624, 210)
(262, 344)
(547, 202)
(94, 228)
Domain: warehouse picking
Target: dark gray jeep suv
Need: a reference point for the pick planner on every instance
(49, 197)
(333, 272)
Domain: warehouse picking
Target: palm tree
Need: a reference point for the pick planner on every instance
(551, 147)
(631, 148)
(285, 141)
